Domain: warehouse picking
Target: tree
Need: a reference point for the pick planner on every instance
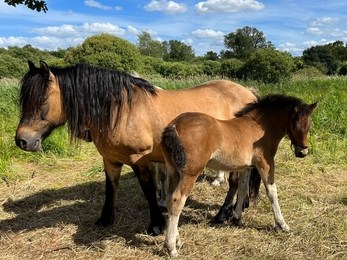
(149, 47)
(210, 55)
(108, 51)
(178, 51)
(269, 65)
(242, 43)
(321, 57)
(32, 4)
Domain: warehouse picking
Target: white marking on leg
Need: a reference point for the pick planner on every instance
(220, 178)
(271, 191)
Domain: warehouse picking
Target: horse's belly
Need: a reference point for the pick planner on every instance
(227, 166)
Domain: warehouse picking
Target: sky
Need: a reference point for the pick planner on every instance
(291, 25)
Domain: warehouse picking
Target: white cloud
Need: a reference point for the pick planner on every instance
(207, 34)
(42, 42)
(336, 33)
(167, 7)
(133, 30)
(324, 21)
(92, 3)
(188, 41)
(314, 31)
(67, 30)
(228, 6)
(118, 8)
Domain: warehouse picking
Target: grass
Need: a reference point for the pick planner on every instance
(50, 199)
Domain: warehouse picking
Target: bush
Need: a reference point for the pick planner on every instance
(269, 65)
(211, 68)
(179, 69)
(343, 70)
(308, 72)
(231, 68)
(107, 51)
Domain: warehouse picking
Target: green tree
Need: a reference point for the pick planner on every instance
(231, 68)
(242, 43)
(32, 4)
(210, 55)
(269, 65)
(107, 51)
(321, 57)
(149, 47)
(178, 51)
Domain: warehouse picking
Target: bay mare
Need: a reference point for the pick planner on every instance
(123, 115)
(193, 141)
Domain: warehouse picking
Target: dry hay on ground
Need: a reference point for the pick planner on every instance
(49, 214)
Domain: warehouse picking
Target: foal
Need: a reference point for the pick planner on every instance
(193, 141)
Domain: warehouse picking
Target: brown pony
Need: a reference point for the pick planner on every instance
(194, 141)
(123, 115)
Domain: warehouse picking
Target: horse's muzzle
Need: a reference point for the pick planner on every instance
(28, 142)
(300, 152)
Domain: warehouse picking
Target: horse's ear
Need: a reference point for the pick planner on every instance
(313, 106)
(31, 65)
(45, 69)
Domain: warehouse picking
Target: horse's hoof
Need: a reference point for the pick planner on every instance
(155, 230)
(104, 222)
(284, 227)
(237, 222)
(222, 216)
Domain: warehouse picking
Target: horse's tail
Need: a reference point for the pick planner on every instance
(254, 185)
(173, 145)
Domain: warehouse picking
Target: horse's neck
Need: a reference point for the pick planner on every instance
(274, 123)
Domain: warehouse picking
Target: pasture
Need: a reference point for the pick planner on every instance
(50, 199)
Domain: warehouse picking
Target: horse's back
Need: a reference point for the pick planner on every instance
(218, 98)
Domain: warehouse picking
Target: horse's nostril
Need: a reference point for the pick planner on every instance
(23, 143)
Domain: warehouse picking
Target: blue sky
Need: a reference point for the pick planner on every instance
(291, 25)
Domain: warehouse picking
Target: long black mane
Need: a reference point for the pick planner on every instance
(271, 102)
(90, 94)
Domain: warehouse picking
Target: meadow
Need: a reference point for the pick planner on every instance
(50, 199)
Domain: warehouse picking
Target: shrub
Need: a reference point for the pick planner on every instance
(269, 65)
(107, 51)
(211, 68)
(231, 68)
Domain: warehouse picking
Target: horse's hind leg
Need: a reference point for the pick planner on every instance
(225, 211)
(220, 178)
(112, 171)
(145, 177)
(161, 168)
(178, 191)
(243, 187)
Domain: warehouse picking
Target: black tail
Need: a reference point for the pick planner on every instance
(172, 144)
(254, 185)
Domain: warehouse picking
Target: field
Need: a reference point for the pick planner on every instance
(50, 199)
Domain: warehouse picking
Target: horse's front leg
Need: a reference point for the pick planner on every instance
(271, 191)
(243, 188)
(112, 171)
(145, 177)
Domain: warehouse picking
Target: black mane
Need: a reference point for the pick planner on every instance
(90, 94)
(272, 101)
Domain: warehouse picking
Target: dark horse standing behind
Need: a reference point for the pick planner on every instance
(125, 116)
